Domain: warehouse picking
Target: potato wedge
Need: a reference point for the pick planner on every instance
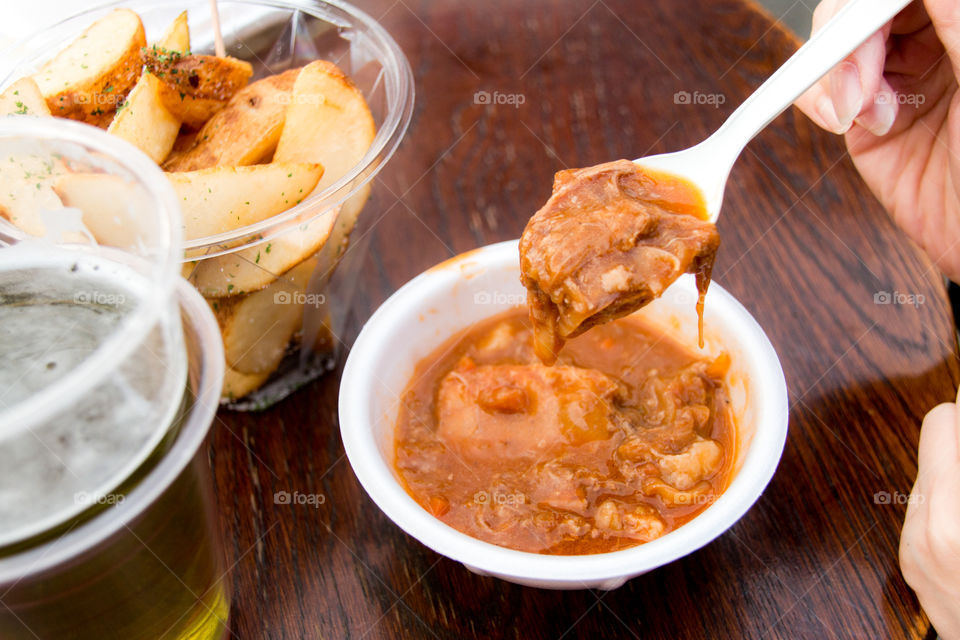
(256, 267)
(142, 119)
(177, 35)
(258, 327)
(194, 87)
(93, 74)
(184, 142)
(26, 191)
(349, 212)
(328, 121)
(110, 207)
(245, 131)
(145, 122)
(23, 97)
(221, 199)
(237, 385)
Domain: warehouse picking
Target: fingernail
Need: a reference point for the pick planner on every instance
(882, 114)
(847, 93)
(825, 110)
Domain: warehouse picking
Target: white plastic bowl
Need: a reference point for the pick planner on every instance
(464, 290)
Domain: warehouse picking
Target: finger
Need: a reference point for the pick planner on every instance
(815, 102)
(854, 83)
(945, 16)
(881, 112)
(817, 105)
(850, 89)
(824, 11)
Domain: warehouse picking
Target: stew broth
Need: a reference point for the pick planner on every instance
(627, 437)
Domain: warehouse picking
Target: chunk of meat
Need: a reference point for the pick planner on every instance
(687, 469)
(700, 495)
(562, 486)
(523, 412)
(640, 521)
(500, 338)
(610, 239)
(684, 470)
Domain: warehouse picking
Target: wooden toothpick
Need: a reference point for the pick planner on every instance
(217, 36)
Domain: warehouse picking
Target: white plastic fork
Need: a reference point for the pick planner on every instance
(708, 164)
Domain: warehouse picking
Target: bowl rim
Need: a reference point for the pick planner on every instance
(398, 80)
(378, 480)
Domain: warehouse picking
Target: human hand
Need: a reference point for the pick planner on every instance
(930, 542)
(896, 100)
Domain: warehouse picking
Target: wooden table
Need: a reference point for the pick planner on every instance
(806, 248)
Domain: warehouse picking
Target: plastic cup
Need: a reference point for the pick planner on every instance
(149, 564)
(107, 392)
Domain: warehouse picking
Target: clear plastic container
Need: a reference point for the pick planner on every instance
(301, 264)
(92, 361)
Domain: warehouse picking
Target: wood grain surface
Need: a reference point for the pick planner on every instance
(806, 248)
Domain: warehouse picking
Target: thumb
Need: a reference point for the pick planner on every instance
(940, 437)
(938, 476)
